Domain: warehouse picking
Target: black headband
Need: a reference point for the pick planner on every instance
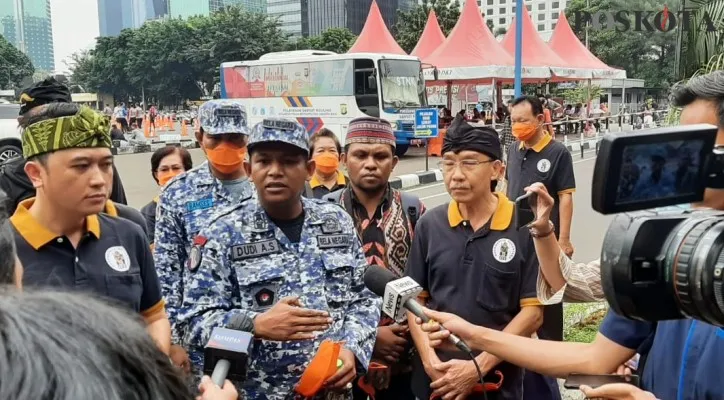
(45, 92)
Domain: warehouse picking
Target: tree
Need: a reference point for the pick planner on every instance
(581, 93)
(14, 65)
(410, 24)
(648, 56)
(338, 40)
(697, 46)
(501, 31)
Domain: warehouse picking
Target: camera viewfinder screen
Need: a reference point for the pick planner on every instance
(659, 171)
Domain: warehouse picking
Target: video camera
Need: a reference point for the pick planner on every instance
(666, 262)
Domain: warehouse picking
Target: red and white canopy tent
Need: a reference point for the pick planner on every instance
(470, 53)
(565, 43)
(431, 39)
(375, 37)
(540, 62)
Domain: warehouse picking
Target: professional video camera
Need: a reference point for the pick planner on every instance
(663, 263)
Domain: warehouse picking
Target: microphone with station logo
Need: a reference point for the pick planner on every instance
(400, 294)
(226, 355)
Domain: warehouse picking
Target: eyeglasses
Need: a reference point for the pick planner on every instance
(465, 165)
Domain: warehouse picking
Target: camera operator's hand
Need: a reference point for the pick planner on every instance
(543, 205)
(287, 320)
(617, 391)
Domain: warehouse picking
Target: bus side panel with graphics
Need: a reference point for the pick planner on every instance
(327, 90)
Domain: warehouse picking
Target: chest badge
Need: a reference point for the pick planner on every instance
(195, 253)
(544, 165)
(331, 225)
(504, 250)
(259, 224)
(265, 297)
(202, 204)
(118, 259)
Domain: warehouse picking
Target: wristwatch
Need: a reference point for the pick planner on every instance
(539, 235)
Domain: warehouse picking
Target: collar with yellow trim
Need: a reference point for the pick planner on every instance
(38, 235)
(500, 220)
(542, 143)
(341, 180)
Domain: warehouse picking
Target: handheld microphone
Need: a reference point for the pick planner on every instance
(400, 294)
(227, 354)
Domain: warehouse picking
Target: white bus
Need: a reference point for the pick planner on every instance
(325, 89)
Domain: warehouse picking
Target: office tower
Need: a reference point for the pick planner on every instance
(351, 14)
(544, 13)
(116, 15)
(187, 8)
(27, 25)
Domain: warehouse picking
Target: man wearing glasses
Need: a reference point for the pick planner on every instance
(470, 259)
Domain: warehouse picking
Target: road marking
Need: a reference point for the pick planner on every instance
(446, 193)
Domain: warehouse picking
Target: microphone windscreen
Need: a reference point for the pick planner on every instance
(376, 278)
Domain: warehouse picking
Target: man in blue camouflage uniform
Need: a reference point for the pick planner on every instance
(188, 202)
(286, 268)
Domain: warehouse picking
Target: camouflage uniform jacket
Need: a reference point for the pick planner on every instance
(248, 264)
(185, 206)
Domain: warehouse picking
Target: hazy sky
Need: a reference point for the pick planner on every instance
(75, 27)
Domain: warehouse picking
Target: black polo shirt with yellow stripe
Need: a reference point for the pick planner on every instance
(112, 260)
(548, 162)
(319, 190)
(484, 276)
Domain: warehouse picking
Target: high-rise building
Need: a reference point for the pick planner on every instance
(292, 15)
(187, 8)
(27, 25)
(351, 14)
(544, 13)
(116, 15)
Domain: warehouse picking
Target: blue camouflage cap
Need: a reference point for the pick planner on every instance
(279, 130)
(217, 117)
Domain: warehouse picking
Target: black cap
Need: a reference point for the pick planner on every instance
(47, 91)
(463, 136)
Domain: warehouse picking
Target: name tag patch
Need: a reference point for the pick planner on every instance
(333, 241)
(202, 204)
(253, 250)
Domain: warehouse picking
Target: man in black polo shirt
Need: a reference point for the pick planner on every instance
(471, 260)
(537, 157)
(62, 239)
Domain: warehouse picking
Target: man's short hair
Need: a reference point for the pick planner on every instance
(66, 346)
(324, 133)
(8, 252)
(535, 103)
(708, 87)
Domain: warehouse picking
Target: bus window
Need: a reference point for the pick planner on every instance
(402, 84)
(368, 100)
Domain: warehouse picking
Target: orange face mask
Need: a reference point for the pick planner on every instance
(226, 157)
(326, 163)
(164, 177)
(524, 130)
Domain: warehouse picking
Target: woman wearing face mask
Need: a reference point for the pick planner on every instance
(166, 163)
(325, 150)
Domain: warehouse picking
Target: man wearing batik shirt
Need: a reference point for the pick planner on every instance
(385, 220)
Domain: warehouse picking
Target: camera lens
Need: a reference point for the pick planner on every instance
(694, 266)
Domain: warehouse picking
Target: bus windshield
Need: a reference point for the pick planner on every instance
(402, 84)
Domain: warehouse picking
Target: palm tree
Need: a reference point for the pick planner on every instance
(698, 46)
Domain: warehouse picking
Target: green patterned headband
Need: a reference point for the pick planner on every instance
(85, 129)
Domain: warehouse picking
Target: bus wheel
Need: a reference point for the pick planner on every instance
(401, 149)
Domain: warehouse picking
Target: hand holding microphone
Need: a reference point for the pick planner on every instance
(441, 326)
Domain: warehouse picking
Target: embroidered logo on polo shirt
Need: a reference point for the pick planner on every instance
(504, 250)
(544, 165)
(118, 259)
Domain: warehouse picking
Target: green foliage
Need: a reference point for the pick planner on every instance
(14, 66)
(338, 40)
(581, 322)
(698, 44)
(648, 56)
(175, 59)
(411, 23)
(580, 94)
(501, 31)
(716, 63)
